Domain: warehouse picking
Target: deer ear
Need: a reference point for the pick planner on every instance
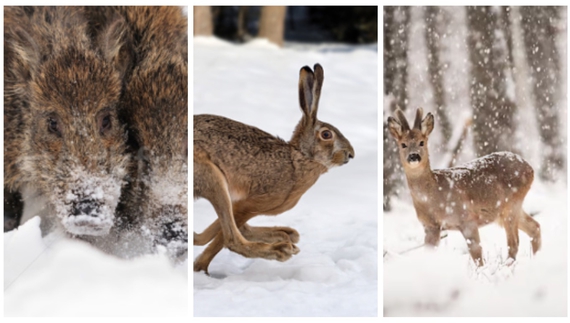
(395, 128)
(427, 124)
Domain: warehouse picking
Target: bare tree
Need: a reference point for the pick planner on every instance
(272, 24)
(396, 30)
(493, 106)
(433, 20)
(539, 30)
(203, 21)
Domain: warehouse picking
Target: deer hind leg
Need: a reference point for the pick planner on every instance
(471, 235)
(510, 217)
(529, 226)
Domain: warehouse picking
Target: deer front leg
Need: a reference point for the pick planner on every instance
(432, 235)
(471, 235)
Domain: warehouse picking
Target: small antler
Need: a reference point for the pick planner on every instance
(418, 121)
(402, 120)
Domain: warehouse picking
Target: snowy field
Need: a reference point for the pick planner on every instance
(335, 274)
(56, 276)
(445, 282)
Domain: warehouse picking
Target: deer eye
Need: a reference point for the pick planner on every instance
(53, 126)
(421, 143)
(326, 135)
(105, 124)
(404, 146)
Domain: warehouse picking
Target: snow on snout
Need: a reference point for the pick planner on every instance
(88, 204)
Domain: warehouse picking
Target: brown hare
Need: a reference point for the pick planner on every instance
(488, 189)
(244, 172)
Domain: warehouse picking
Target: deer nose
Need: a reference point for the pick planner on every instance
(414, 158)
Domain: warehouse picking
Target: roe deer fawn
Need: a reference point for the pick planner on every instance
(490, 188)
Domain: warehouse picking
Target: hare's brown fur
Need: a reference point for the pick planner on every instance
(244, 172)
(62, 134)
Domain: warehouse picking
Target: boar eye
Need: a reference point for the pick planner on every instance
(326, 135)
(53, 126)
(404, 146)
(105, 124)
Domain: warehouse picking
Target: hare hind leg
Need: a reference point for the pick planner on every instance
(269, 234)
(210, 184)
(282, 240)
(529, 226)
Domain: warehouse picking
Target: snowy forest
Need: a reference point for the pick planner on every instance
(495, 80)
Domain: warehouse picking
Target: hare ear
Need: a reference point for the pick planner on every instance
(115, 43)
(427, 124)
(306, 80)
(317, 86)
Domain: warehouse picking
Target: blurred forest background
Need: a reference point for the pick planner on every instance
(355, 25)
(494, 78)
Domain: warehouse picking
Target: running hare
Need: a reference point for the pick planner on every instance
(245, 172)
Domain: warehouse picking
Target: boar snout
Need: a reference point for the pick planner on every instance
(87, 207)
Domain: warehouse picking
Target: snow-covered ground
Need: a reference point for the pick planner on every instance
(445, 282)
(335, 274)
(55, 276)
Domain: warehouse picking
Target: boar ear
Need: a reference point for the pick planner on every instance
(115, 42)
(25, 51)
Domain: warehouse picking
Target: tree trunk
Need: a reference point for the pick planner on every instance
(272, 24)
(396, 30)
(493, 106)
(539, 29)
(432, 18)
(203, 21)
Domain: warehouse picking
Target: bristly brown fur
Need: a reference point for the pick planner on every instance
(244, 172)
(53, 75)
(155, 108)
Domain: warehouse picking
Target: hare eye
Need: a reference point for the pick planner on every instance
(53, 126)
(404, 146)
(326, 135)
(421, 143)
(105, 124)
